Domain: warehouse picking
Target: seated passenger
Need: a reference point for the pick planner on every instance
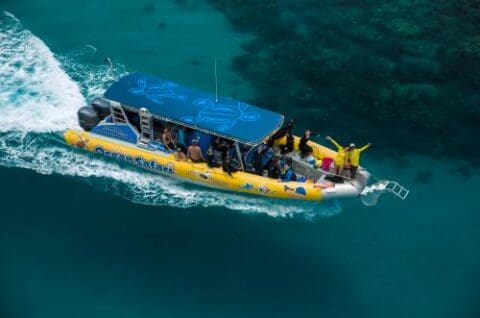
(288, 174)
(305, 149)
(216, 144)
(289, 146)
(221, 146)
(211, 161)
(274, 168)
(280, 133)
(167, 139)
(227, 166)
(194, 152)
(258, 160)
(180, 155)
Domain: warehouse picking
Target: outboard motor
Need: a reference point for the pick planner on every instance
(87, 118)
(101, 107)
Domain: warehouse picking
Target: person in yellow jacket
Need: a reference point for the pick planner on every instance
(341, 157)
(354, 157)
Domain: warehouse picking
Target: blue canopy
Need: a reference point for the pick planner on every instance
(193, 108)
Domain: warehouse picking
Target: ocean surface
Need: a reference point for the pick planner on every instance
(81, 236)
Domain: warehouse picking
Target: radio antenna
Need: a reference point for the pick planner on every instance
(216, 81)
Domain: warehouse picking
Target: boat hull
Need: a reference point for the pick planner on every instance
(164, 163)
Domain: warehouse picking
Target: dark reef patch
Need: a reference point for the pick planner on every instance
(401, 162)
(463, 169)
(424, 176)
(403, 74)
(194, 62)
(149, 8)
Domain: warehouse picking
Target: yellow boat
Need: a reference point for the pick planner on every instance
(124, 124)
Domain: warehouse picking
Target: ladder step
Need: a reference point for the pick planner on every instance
(145, 126)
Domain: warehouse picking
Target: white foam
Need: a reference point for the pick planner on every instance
(38, 97)
(35, 95)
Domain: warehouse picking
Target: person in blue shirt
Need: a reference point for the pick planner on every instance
(288, 174)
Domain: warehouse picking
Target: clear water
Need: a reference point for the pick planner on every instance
(85, 237)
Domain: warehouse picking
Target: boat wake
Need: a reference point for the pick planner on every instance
(39, 97)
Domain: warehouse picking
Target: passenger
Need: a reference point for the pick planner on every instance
(288, 174)
(274, 168)
(354, 157)
(221, 146)
(340, 158)
(194, 152)
(211, 161)
(216, 143)
(167, 139)
(305, 149)
(180, 155)
(281, 133)
(257, 160)
(227, 166)
(289, 145)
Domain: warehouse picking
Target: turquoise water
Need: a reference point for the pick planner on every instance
(84, 237)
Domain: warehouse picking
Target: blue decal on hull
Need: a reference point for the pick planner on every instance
(138, 161)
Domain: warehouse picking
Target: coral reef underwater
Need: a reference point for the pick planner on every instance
(404, 74)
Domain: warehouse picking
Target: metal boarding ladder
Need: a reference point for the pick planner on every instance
(145, 126)
(118, 114)
(370, 194)
(396, 189)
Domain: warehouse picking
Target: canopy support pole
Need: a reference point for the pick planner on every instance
(239, 154)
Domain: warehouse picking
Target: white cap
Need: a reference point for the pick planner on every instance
(352, 145)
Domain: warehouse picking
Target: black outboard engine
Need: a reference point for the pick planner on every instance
(101, 107)
(87, 118)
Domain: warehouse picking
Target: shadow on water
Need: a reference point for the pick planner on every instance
(152, 260)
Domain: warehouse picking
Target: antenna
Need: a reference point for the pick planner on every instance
(216, 81)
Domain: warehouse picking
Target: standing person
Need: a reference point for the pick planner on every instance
(167, 139)
(194, 152)
(281, 132)
(354, 157)
(305, 149)
(289, 145)
(341, 157)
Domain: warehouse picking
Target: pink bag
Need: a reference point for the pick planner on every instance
(326, 162)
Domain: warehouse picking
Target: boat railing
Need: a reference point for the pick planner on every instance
(118, 113)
